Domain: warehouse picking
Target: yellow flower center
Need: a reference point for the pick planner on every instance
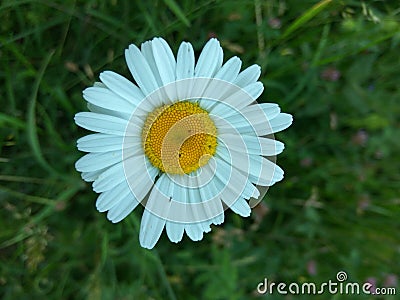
(179, 138)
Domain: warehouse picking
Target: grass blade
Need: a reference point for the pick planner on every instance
(304, 18)
(13, 121)
(31, 119)
(177, 11)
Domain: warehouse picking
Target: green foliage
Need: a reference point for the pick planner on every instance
(334, 65)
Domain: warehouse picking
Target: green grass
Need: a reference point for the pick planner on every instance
(334, 65)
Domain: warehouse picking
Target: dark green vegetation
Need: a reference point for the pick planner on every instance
(334, 65)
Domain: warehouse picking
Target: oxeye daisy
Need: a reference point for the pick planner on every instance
(187, 141)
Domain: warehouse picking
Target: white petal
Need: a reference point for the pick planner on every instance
(215, 90)
(140, 70)
(112, 197)
(252, 144)
(180, 191)
(198, 87)
(232, 175)
(250, 191)
(238, 100)
(107, 99)
(251, 123)
(195, 212)
(263, 146)
(100, 142)
(151, 228)
(118, 212)
(174, 231)
(194, 231)
(234, 182)
(147, 51)
(248, 76)
(196, 208)
(260, 112)
(184, 89)
(113, 176)
(179, 200)
(122, 87)
(141, 179)
(185, 61)
(210, 195)
(281, 122)
(206, 226)
(134, 131)
(165, 60)
(210, 60)
(91, 176)
(260, 170)
(184, 69)
(241, 207)
(123, 192)
(96, 161)
(229, 70)
(240, 186)
(218, 220)
(228, 195)
(254, 90)
(188, 210)
(157, 207)
(101, 123)
(109, 112)
(253, 119)
(162, 63)
(264, 171)
(222, 111)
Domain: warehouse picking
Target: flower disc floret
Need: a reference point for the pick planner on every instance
(179, 138)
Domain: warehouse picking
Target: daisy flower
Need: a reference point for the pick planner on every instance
(187, 141)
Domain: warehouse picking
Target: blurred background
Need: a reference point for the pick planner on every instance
(334, 65)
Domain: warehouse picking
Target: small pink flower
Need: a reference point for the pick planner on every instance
(275, 23)
(330, 74)
(312, 267)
